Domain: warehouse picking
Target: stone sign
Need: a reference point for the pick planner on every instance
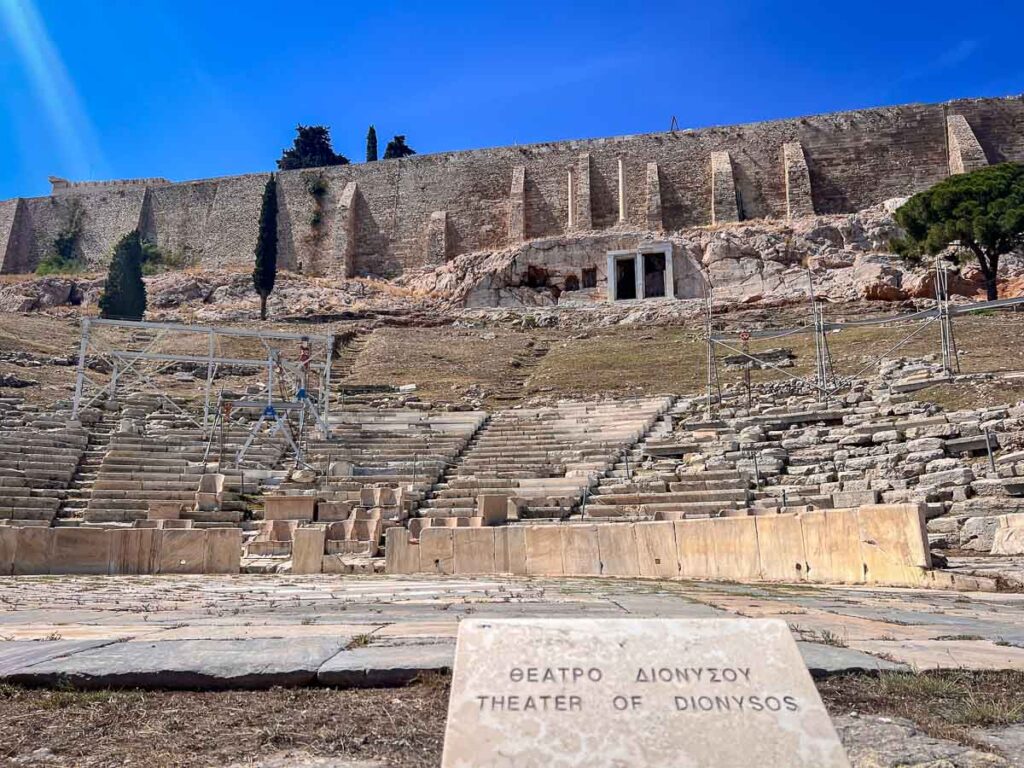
(636, 693)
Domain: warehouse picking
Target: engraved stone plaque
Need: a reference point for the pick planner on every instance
(712, 693)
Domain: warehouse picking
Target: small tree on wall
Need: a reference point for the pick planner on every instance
(124, 293)
(311, 149)
(398, 148)
(981, 213)
(264, 272)
(371, 145)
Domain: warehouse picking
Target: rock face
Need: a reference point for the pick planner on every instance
(767, 262)
(848, 258)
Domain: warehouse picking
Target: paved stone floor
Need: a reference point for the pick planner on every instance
(255, 631)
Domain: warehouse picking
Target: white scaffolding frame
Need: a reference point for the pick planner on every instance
(132, 366)
(825, 382)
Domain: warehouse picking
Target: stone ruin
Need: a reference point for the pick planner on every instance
(871, 486)
(624, 218)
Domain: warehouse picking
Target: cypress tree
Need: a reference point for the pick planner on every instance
(124, 293)
(371, 145)
(265, 271)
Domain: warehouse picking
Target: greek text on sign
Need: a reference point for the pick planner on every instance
(637, 693)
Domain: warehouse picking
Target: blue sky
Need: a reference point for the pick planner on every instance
(94, 89)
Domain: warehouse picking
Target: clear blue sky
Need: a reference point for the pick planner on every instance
(93, 89)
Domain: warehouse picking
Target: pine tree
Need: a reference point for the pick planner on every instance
(124, 293)
(980, 214)
(311, 149)
(398, 148)
(371, 145)
(265, 271)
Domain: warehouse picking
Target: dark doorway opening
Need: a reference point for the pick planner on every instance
(625, 279)
(654, 275)
(590, 277)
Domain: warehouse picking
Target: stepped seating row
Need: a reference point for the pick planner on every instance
(398, 448)
(788, 452)
(162, 456)
(546, 458)
(39, 454)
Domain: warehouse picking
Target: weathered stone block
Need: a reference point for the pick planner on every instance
(493, 508)
(656, 550)
(617, 542)
(32, 556)
(724, 207)
(80, 551)
(734, 545)
(894, 543)
(400, 554)
(695, 547)
(965, 152)
(308, 548)
(289, 508)
(473, 550)
(581, 553)
(134, 551)
(437, 554)
(543, 550)
(181, 551)
(799, 200)
(8, 547)
(223, 550)
(781, 546)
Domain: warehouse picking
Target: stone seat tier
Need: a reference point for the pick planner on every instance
(651, 510)
(670, 498)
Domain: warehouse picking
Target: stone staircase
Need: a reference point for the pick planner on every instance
(545, 458)
(160, 454)
(80, 488)
(398, 448)
(39, 453)
(511, 389)
(657, 487)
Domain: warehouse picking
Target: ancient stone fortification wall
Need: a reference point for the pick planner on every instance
(385, 217)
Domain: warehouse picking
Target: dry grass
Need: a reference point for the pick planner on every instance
(944, 704)
(402, 727)
(447, 362)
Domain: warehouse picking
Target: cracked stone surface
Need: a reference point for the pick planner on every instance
(262, 630)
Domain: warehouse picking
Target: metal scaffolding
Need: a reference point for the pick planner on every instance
(298, 364)
(826, 382)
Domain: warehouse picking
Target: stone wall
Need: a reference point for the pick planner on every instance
(873, 544)
(34, 550)
(496, 197)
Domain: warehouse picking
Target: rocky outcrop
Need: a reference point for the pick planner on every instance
(847, 257)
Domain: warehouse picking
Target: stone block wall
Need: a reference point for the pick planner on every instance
(496, 197)
(15, 237)
(873, 544)
(33, 551)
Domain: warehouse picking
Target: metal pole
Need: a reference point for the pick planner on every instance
(988, 447)
(710, 353)
(209, 382)
(80, 375)
(327, 385)
(746, 369)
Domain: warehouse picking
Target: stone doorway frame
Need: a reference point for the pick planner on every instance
(638, 256)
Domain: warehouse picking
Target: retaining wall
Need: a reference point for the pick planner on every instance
(491, 198)
(876, 544)
(114, 552)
